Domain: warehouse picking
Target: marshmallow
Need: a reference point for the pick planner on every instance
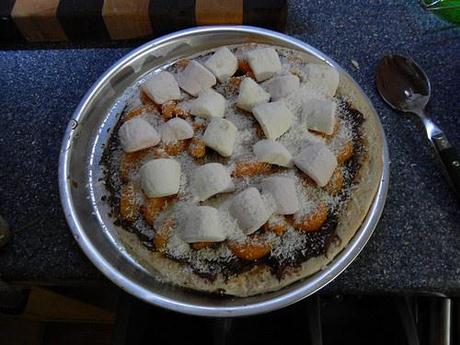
(210, 179)
(161, 88)
(208, 104)
(274, 118)
(176, 129)
(264, 62)
(323, 78)
(272, 152)
(195, 78)
(249, 210)
(201, 224)
(317, 161)
(283, 191)
(320, 115)
(283, 86)
(160, 177)
(222, 63)
(220, 135)
(137, 134)
(251, 94)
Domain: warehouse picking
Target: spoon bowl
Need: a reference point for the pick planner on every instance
(402, 83)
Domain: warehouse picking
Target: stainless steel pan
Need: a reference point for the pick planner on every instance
(81, 190)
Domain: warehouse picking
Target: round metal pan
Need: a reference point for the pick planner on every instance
(81, 188)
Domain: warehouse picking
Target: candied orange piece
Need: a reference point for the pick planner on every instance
(197, 148)
(335, 184)
(167, 110)
(259, 131)
(171, 109)
(130, 160)
(129, 210)
(306, 180)
(244, 67)
(314, 220)
(162, 235)
(176, 148)
(198, 127)
(153, 206)
(201, 245)
(133, 113)
(251, 168)
(252, 249)
(278, 228)
(182, 63)
(233, 85)
(345, 153)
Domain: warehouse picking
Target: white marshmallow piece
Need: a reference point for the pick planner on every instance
(137, 134)
(282, 86)
(323, 78)
(251, 94)
(208, 104)
(220, 135)
(264, 62)
(249, 209)
(176, 129)
(161, 88)
(273, 152)
(160, 177)
(195, 78)
(201, 224)
(283, 191)
(223, 64)
(320, 115)
(317, 161)
(211, 179)
(274, 118)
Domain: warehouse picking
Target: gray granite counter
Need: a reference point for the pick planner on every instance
(416, 246)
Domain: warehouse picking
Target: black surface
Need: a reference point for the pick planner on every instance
(8, 30)
(82, 20)
(325, 320)
(416, 246)
(167, 15)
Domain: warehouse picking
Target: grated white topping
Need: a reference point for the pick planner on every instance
(292, 241)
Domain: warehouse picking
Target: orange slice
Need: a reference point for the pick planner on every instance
(314, 220)
(197, 148)
(251, 168)
(176, 148)
(335, 184)
(153, 206)
(201, 245)
(345, 153)
(129, 210)
(162, 235)
(250, 250)
(244, 67)
(279, 228)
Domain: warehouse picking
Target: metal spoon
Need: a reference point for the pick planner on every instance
(405, 87)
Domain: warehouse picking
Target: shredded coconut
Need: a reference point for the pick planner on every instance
(292, 241)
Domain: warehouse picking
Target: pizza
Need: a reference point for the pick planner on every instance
(242, 169)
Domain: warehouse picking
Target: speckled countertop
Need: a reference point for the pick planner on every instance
(416, 246)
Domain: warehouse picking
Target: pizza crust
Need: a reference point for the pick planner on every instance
(259, 279)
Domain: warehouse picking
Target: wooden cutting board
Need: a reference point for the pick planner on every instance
(96, 20)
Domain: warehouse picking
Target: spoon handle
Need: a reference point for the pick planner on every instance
(450, 158)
